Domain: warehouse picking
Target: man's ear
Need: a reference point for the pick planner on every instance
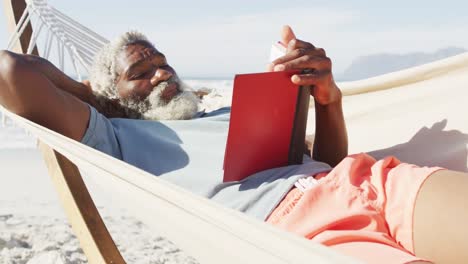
(287, 35)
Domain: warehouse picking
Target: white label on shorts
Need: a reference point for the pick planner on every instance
(305, 184)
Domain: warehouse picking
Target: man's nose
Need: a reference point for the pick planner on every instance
(161, 75)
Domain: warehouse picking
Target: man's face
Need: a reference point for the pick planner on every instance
(147, 84)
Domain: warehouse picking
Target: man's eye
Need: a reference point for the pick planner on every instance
(139, 75)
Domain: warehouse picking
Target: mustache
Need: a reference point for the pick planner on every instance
(172, 80)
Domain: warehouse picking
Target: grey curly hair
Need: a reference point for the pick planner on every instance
(103, 72)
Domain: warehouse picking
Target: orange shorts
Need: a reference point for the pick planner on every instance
(362, 208)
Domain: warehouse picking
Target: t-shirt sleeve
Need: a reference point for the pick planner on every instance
(100, 135)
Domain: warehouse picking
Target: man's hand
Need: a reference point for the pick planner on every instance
(87, 85)
(315, 67)
(111, 108)
(331, 140)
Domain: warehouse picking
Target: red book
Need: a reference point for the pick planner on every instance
(267, 125)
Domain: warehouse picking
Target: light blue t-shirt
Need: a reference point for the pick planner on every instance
(190, 153)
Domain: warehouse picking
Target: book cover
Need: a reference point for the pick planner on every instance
(267, 125)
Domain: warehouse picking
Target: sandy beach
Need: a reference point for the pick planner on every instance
(34, 229)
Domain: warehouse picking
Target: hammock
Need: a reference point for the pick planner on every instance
(199, 226)
(417, 115)
(405, 114)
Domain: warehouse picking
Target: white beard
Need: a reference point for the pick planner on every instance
(183, 106)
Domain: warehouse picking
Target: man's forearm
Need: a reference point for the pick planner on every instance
(331, 139)
(58, 78)
(105, 106)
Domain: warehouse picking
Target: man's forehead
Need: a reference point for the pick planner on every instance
(138, 47)
(135, 52)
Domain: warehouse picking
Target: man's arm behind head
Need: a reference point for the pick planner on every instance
(33, 88)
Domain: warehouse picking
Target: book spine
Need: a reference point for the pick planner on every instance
(297, 146)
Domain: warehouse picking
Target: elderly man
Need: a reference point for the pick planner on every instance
(132, 79)
(373, 210)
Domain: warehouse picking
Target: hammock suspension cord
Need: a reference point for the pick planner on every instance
(70, 37)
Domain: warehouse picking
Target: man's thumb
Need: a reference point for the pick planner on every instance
(287, 35)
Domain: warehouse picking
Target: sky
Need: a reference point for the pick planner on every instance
(217, 39)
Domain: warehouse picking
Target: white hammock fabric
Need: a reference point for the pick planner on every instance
(201, 227)
(385, 116)
(418, 115)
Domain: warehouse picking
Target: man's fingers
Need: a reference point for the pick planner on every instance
(310, 79)
(287, 35)
(297, 53)
(290, 56)
(308, 62)
(87, 83)
(298, 44)
(270, 67)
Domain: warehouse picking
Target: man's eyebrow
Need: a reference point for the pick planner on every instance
(141, 61)
(133, 66)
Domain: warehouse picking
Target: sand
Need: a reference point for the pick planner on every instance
(34, 229)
